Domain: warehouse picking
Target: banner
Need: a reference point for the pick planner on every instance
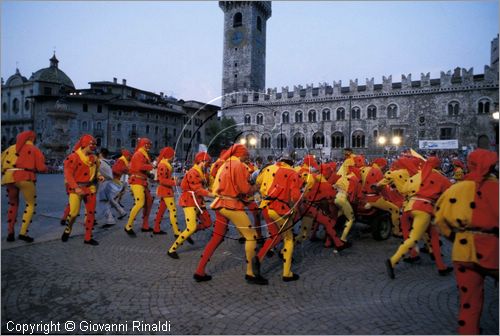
(438, 144)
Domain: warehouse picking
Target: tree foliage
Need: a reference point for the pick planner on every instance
(221, 134)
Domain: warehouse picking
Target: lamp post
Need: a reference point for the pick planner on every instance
(381, 140)
(349, 130)
(396, 141)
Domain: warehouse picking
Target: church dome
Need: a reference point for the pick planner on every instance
(52, 74)
(16, 79)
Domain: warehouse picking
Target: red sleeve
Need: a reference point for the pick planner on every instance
(164, 176)
(40, 161)
(296, 184)
(241, 176)
(194, 183)
(119, 168)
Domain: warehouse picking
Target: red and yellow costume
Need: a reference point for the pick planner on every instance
(467, 213)
(139, 170)
(283, 198)
(348, 191)
(229, 205)
(20, 163)
(81, 173)
(371, 175)
(165, 191)
(458, 170)
(194, 187)
(424, 188)
(307, 173)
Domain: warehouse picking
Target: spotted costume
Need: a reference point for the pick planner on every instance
(20, 163)
(467, 213)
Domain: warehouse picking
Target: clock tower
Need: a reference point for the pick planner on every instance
(244, 58)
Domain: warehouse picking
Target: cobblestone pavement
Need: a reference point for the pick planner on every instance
(125, 279)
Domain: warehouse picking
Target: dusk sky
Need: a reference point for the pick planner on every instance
(176, 47)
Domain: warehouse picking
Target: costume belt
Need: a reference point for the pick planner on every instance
(139, 177)
(24, 169)
(415, 198)
(85, 184)
(490, 232)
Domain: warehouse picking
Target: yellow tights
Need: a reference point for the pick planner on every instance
(345, 209)
(287, 234)
(421, 221)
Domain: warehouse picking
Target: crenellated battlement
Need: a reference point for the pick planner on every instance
(458, 79)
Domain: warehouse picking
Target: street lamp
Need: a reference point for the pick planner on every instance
(496, 115)
(243, 141)
(396, 140)
(381, 140)
(252, 141)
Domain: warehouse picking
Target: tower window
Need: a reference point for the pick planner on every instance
(260, 119)
(392, 111)
(337, 140)
(340, 113)
(356, 113)
(237, 20)
(483, 106)
(453, 108)
(259, 23)
(372, 112)
(312, 116)
(447, 133)
(235, 64)
(358, 139)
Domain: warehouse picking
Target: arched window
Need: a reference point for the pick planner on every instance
(392, 111)
(260, 119)
(4, 107)
(453, 108)
(15, 105)
(483, 106)
(84, 126)
(318, 140)
(133, 143)
(118, 143)
(326, 114)
(265, 141)
(27, 105)
(312, 116)
(247, 119)
(337, 140)
(237, 20)
(371, 112)
(340, 113)
(147, 129)
(98, 126)
(356, 113)
(98, 141)
(285, 118)
(358, 139)
(299, 141)
(259, 23)
(281, 141)
(298, 116)
(119, 127)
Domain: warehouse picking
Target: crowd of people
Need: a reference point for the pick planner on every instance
(293, 196)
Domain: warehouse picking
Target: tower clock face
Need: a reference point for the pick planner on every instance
(237, 38)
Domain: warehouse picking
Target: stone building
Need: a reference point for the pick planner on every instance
(115, 113)
(325, 118)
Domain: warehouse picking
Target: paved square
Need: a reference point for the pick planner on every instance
(124, 280)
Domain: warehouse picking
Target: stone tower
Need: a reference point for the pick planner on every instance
(244, 57)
